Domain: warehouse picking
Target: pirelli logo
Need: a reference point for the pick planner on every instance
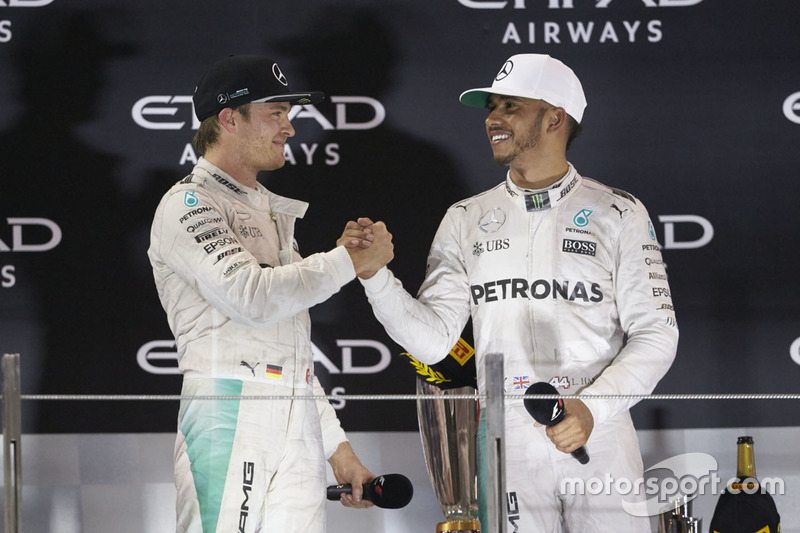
(462, 352)
(579, 247)
(210, 234)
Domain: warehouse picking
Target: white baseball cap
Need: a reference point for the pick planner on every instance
(536, 76)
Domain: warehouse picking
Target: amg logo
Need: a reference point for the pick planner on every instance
(579, 247)
(512, 508)
(247, 485)
(210, 234)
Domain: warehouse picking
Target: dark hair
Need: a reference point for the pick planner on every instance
(574, 128)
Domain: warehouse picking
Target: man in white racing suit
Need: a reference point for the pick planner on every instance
(237, 295)
(561, 275)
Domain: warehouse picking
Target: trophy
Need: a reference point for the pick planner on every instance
(448, 428)
(678, 518)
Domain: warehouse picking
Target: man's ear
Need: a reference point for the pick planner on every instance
(558, 119)
(226, 118)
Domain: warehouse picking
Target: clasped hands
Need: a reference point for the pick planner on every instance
(369, 245)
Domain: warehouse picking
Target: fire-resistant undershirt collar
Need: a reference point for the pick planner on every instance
(536, 200)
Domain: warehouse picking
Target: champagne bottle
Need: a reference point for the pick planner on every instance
(745, 466)
(744, 506)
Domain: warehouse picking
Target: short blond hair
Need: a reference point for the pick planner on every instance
(208, 133)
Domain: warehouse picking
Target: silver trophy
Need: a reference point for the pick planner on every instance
(678, 518)
(448, 428)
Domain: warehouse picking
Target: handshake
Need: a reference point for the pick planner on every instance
(369, 245)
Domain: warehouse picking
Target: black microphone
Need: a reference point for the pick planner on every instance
(389, 491)
(549, 412)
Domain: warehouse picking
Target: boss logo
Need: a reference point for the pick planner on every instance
(579, 247)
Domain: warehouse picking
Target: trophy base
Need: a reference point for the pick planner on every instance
(459, 526)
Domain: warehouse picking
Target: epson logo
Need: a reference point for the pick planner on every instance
(540, 289)
(791, 107)
(579, 247)
(569, 4)
(210, 247)
(164, 112)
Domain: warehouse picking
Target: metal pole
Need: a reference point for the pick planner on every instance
(495, 445)
(12, 433)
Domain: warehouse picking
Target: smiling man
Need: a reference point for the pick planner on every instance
(237, 295)
(562, 276)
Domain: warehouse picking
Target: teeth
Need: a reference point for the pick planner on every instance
(500, 136)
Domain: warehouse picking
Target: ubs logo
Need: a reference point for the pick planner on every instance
(489, 246)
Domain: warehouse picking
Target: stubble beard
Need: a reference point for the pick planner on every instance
(526, 143)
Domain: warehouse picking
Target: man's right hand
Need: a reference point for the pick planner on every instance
(369, 245)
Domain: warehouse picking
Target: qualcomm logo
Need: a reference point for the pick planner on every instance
(166, 112)
(791, 107)
(570, 4)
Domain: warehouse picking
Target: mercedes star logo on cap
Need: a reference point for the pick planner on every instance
(508, 66)
(276, 71)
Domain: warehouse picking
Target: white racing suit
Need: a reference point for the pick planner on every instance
(236, 293)
(569, 286)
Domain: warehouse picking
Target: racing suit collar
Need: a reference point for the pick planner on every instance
(536, 200)
(261, 197)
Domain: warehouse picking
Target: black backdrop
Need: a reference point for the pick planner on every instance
(694, 107)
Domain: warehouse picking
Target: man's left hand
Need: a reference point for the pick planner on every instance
(348, 470)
